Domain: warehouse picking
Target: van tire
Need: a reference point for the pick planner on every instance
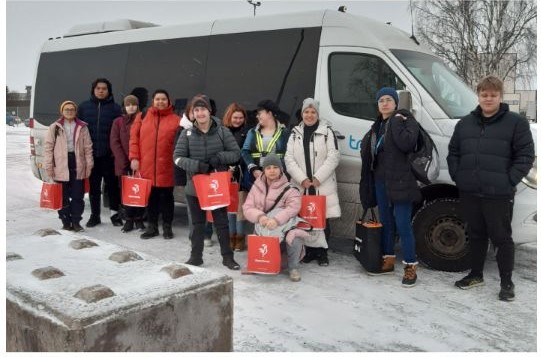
(441, 239)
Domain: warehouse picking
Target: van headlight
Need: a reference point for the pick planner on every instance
(531, 179)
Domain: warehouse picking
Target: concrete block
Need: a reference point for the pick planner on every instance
(82, 244)
(137, 307)
(124, 256)
(46, 232)
(47, 273)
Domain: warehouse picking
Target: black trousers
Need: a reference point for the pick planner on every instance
(317, 252)
(104, 168)
(486, 219)
(73, 203)
(161, 201)
(199, 219)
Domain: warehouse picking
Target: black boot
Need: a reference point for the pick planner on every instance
(77, 227)
(66, 225)
(197, 261)
(128, 226)
(323, 260)
(151, 231)
(139, 224)
(116, 220)
(93, 221)
(229, 262)
(167, 231)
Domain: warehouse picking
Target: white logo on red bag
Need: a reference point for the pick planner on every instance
(214, 185)
(135, 188)
(311, 207)
(46, 193)
(263, 250)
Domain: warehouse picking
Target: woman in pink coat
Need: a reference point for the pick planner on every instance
(273, 205)
(68, 160)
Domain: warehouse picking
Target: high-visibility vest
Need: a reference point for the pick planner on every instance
(259, 151)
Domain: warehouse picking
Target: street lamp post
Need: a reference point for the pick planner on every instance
(255, 4)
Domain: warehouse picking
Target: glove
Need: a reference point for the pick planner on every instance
(203, 167)
(214, 162)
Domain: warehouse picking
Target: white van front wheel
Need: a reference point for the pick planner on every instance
(440, 235)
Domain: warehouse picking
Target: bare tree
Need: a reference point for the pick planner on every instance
(481, 37)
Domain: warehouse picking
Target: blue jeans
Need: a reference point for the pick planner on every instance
(396, 214)
(235, 227)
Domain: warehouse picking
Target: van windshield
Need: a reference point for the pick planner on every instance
(446, 88)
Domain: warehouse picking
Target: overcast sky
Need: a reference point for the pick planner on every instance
(30, 23)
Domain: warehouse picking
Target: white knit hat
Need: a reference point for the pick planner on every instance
(310, 103)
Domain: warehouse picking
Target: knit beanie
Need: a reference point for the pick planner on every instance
(387, 91)
(66, 103)
(272, 159)
(200, 100)
(310, 103)
(131, 99)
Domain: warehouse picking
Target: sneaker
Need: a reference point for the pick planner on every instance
(128, 226)
(116, 220)
(140, 225)
(167, 231)
(208, 242)
(294, 275)
(470, 281)
(77, 227)
(150, 232)
(387, 265)
(93, 221)
(410, 275)
(229, 262)
(507, 292)
(195, 261)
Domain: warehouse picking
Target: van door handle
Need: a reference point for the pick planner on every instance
(339, 135)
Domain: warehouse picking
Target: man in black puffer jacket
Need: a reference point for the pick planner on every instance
(99, 112)
(490, 151)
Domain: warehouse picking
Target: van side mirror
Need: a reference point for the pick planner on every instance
(404, 99)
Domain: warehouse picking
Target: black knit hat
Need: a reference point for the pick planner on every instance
(269, 106)
(201, 100)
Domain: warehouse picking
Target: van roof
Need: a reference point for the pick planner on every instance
(347, 28)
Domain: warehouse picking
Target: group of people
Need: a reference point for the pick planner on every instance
(490, 151)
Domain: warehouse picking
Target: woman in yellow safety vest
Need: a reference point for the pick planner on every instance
(269, 136)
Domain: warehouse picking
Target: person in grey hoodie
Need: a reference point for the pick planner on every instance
(201, 149)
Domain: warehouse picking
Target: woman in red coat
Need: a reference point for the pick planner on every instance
(151, 152)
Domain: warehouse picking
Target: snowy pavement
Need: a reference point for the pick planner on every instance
(337, 308)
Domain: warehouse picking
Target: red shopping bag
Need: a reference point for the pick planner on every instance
(234, 197)
(314, 211)
(135, 191)
(51, 196)
(263, 254)
(212, 190)
(86, 185)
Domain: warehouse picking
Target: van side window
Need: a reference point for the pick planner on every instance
(354, 80)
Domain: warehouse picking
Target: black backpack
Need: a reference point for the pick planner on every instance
(425, 159)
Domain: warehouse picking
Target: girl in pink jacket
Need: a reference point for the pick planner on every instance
(273, 205)
(68, 159)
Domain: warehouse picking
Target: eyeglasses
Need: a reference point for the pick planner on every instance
(385, 100)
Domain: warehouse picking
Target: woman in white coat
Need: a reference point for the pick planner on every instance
(311, 159)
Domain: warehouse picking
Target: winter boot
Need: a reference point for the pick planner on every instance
(93, 221)
(229, 262)
(239, 243)
(507, 292)
(410, 275)
(66, 226)
(116, 220)
(323, 260)
(139, 224)
(151, 231)
(77, 227)
(294, 275)
(387, 265)
(232, 241)
(167, 231)
(128, 226)
(197, 261)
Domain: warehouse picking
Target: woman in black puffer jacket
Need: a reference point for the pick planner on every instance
(385, 165)
(204, 147)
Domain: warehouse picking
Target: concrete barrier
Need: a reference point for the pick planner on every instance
(63, 297)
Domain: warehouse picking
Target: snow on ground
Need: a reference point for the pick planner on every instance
(337, 308)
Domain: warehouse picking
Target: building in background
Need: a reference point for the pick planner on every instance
(18, 104)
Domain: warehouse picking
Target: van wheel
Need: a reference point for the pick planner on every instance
(441, 238)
